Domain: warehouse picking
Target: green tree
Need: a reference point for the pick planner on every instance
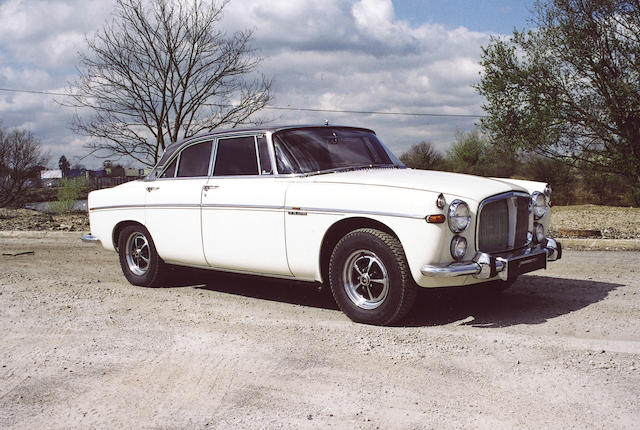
(473, 153)
(422, 156)
(570, 89)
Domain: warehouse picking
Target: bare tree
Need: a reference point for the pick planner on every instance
(161, 71)
(21, 159)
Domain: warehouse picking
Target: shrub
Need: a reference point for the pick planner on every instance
(68, 192)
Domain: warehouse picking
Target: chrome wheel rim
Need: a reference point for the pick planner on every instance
(138, 254)
(365, 279)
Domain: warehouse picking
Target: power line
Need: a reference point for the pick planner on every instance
(49, 93)
(289, 108)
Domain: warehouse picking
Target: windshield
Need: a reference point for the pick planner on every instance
(319, 149)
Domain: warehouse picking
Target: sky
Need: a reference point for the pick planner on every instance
(414, 56)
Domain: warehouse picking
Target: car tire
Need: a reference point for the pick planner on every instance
(370, 278)
(139, 259)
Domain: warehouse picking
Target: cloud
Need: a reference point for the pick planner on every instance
(356, 56)
(334, 54)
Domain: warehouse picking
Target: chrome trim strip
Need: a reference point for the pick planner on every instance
(158, 206)
(351, 211)
(296, 209)
(250, 207)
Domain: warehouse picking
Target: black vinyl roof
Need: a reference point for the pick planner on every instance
(171, 148)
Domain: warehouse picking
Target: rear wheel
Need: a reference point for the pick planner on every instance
(370, 278)
(139, 259)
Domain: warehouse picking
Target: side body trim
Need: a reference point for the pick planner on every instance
(292, 210)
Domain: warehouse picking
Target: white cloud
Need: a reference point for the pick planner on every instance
(334, 54)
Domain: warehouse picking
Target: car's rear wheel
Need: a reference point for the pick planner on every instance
(370, 278)
(139, 259)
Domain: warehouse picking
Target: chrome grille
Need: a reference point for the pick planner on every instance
(503, 222)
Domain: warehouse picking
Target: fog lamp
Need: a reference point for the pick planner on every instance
(458, 247)
(539, 230)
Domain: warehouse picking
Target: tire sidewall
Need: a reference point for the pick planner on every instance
(151, 276)
(387, 311)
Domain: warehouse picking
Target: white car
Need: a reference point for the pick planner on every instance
(324, 204)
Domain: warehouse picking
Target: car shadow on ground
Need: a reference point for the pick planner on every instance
(259, 287)
(531, 300)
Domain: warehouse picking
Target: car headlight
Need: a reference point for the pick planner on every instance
(459, 216)
(458, 247)
(539, 204)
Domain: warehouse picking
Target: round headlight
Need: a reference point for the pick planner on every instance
(539, 231)
(539, 204)
(458, 247)
(459, 216)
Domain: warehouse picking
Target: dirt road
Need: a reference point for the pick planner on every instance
(81, 348)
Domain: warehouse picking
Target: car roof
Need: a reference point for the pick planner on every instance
(255, 129)
(173, 147)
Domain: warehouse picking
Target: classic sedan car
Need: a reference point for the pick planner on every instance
(324, 204)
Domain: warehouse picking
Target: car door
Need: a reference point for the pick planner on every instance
(173, 203)
(243, 209)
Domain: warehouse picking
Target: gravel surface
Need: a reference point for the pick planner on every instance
(610, 222)
(31, 220)
(81, 348)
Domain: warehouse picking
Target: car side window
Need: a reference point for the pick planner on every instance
(170, 171)
(194, 160)
(236, 156)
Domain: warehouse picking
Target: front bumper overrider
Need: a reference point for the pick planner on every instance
(505, 265)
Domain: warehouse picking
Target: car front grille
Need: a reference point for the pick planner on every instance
(503, 222)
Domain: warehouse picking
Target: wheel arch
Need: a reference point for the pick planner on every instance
(115, 235)
(337, 231)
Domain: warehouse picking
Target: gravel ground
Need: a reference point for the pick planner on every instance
(31, 220)
(610, 222)
(81, 348)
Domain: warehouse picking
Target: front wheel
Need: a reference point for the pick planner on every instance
(370, 278)
(139, 259)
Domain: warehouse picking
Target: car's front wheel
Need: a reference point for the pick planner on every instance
(139, 259)
(370, 278)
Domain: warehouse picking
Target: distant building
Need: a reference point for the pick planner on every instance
(50, 178)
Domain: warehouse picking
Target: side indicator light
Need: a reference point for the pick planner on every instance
(436, 219)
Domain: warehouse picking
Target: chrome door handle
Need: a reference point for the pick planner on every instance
(149, 189)
(210, 187)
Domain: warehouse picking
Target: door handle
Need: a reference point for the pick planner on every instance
(149, 189)
(210, 187)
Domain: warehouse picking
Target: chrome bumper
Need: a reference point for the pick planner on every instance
(485, 266)
(89, 238)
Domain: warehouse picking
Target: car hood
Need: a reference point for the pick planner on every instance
(469, 186)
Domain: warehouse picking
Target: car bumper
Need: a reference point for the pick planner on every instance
(506, 266)
(89, 238)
